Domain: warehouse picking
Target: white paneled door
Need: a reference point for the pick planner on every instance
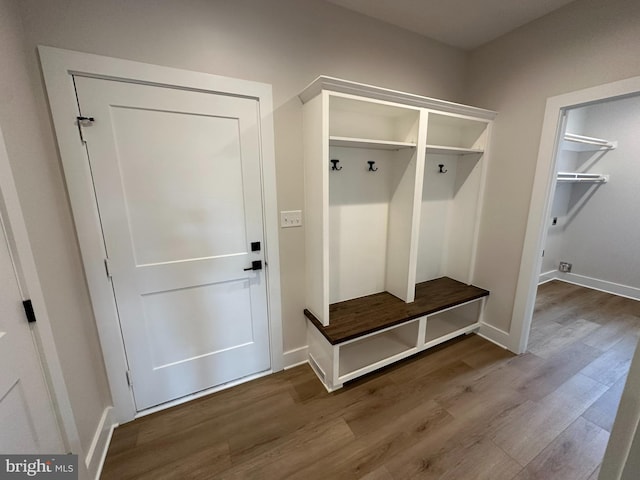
(178, 188)
(27, 419)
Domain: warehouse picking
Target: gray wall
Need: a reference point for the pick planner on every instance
(586, 43)
(566, 161)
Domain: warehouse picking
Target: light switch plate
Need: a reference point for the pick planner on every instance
(291, 218)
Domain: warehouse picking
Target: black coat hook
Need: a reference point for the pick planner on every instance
(334, 165)
(441, 167)
(371, 164)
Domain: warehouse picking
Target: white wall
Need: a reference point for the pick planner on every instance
(586, 43)
(359, 202)
(600, 225)
(283, 42)
(50, 228)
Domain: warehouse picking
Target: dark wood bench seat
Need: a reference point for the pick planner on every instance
(358, 317)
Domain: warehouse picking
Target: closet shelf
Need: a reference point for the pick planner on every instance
(581, 143)
(446, 150)
(574, 177)
(353, 142)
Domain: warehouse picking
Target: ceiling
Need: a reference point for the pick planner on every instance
(465, 24)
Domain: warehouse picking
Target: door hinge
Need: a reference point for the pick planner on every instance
(129, 381)
(28, 310)
(84, 122)
(107, 267)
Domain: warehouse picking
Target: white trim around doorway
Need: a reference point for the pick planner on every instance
(29, 281)
(541, 197)
(58, 67)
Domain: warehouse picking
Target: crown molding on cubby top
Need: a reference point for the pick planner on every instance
(370, 91)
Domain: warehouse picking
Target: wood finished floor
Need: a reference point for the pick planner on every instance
(466, 410)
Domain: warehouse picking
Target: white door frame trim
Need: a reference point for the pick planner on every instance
(58, 66)
(30, 286)
(540, 206)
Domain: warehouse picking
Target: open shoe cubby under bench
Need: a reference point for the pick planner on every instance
(370, 332)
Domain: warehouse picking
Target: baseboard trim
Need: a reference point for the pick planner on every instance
(548, 276)
(600, 285)
(295, 357)
(102, 438)
(494, 335)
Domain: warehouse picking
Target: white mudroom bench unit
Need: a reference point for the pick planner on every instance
(394, 185)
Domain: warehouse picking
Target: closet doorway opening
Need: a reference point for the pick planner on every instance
(588, 292)
(587, 308)
(581, 212)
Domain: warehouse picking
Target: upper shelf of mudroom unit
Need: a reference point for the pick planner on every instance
(455, 135)
(374, 144)
(582, 143)
(447, 150)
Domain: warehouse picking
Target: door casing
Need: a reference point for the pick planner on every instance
(20, 246)
(541, 198)
(58, 67)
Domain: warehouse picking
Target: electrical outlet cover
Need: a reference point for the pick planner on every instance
(565, 267)
(291, 218)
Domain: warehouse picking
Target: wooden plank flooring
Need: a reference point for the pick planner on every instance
(464, 410)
